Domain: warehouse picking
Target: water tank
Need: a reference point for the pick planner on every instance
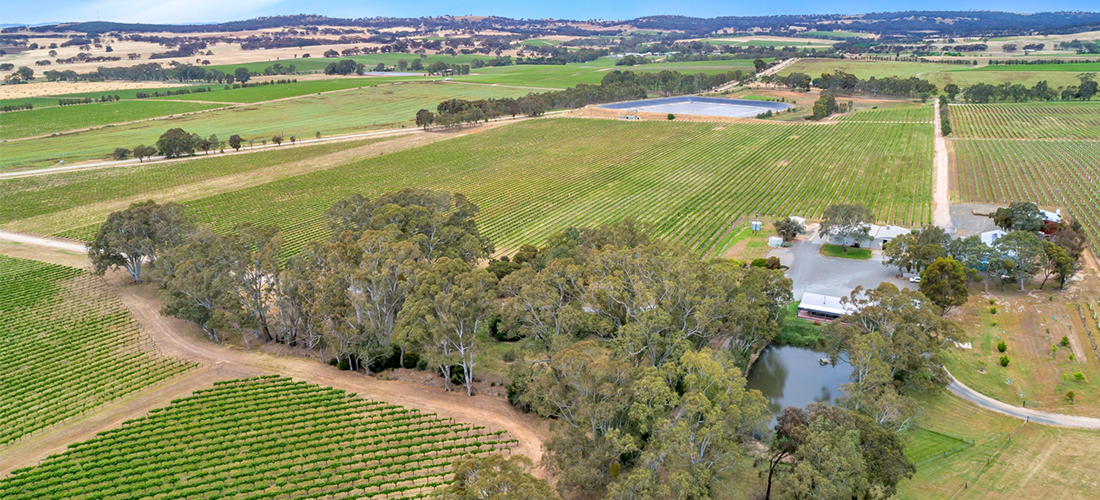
(757, 225)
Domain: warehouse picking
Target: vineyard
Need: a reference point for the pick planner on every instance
(267, 437)
(67, 346)
(907, 114)
(1050, 173)
(1060, 120)
(692, 180)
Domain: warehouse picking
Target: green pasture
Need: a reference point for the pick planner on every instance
(1090, 67)
(539, 42)
(262, 93)
(63, 118)
(318, 63)
(569, 75)
(363, 110)
(41, 102)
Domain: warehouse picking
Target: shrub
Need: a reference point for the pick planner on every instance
(992, 301)
(993, 310)
(759, 263)
(412, 360)
(422, 364)
(671, 116)
(1004, 360)
(1002, 346)
(1064, 342)
(1080, 377)
(1070, 395)
(508, 356)
(333, 361)
(344, 364)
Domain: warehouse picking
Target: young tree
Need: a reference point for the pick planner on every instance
(241, 75)
(277, 139)
(235, 142)
(944, 283)
(424, 118)
(788, 228)
(951, 90)
(130, 237)
(760, 65)
(142, 151)
(845, 222)
(1055, 261)
(120, 154)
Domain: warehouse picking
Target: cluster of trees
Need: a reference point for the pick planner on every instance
(1031, 249)
(152, 72)
(183, 91)
(1082, 46)
(634, 347)
(826, 105)
(1042, 91)
(177, 142)
(457, 112)
(21, 75)
(945, 116)
(556, 54)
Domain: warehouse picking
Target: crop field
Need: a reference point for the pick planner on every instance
(261, 93)
(863, 69)
(1045, 68)
(67, 346)
(368, 60)
(569, 75)
(62, 118)
(901, 114)
(1057, 120)
(267, 437)
(940, 74)
(42, 102)
(1045, 153)
(353, 111)
(692, 180)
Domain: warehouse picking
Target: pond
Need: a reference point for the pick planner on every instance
(792, 376)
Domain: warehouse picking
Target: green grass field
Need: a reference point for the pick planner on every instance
(284, 90)
(1045, 68)
(1038, 462)
(363, 110)
(42, 102)
(691, 180)
(44, 195)
(569, 75)
(267, 437)
(938, 73)
(864, 69)
(317, 63)
(67, 347)
(539, 42)
(63, 118)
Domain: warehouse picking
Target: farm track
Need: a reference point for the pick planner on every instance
(941, 190)
(183, 340)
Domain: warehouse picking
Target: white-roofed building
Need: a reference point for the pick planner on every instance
(877, 237)
(1048, 216)
(990, 237)
(822, 307)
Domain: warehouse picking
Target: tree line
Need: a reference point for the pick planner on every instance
(1041, 91)
(841, 82)
(177, 142)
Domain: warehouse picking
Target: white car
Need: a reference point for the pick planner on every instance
(914, 279)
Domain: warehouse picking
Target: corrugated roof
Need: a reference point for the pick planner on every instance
(824, 304)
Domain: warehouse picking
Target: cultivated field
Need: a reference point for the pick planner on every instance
(1038, 152)
(901, 114)
(358, 110)
(1057, 120)
(939, 73)
(50, 120)
(67, 346)
(692, 180)
(267, 437)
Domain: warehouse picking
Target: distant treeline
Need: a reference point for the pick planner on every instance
(87, 100)
(17, 107)
(1042, 91)
(849, 84)
(1011, 62)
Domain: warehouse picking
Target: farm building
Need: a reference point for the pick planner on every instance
(815, 306)
(989, 237)
(1048, 216)
(878, 236)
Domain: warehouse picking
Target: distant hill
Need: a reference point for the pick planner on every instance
(946, 23)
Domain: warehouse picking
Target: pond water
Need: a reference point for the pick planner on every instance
(792, 376)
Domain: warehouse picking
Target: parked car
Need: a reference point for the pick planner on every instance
(914, 279)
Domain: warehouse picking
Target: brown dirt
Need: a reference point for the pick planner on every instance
(49, 255)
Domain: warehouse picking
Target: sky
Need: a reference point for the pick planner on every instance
(196, 11)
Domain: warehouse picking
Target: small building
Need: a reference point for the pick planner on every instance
(775, 241)
(990, 237)
(877, 237)
(1048, 216)
(817, 307)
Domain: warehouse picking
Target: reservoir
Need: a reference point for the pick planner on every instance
(792, 376)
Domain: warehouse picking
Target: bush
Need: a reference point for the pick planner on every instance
(992, 301)
(508, 356)
(412, 360)
(344, 364)
(1004, 360)
(760, 263)
(671, 116)
(333, 362)
(1064, 342)
(1080, 377)
(1002, 346)
(498, 330)
(422, 364)
(993, 310)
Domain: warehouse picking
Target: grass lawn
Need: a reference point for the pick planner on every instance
(1038, 462)
(61, 118)
(830, 250)
(569, 75)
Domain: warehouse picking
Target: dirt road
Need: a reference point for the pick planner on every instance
(941, 201)
(1042, 417)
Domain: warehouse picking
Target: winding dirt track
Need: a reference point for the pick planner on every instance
(183, 340)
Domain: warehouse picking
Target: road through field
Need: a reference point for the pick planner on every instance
(941, 202)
